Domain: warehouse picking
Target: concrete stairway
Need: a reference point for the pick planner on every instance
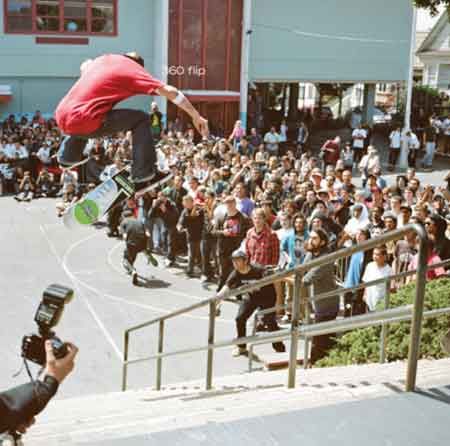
(181, 413)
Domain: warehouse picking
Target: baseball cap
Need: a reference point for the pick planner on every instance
(238, 254)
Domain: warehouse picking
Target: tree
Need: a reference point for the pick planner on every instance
(433, 5)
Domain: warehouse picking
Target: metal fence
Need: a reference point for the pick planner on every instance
(295, 331)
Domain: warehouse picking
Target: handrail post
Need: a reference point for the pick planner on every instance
(125, 359)
(294, 331)
(384, 327)
(306, 340)
(160, 350)
(416, 324)
(250, 348)
(211, 332)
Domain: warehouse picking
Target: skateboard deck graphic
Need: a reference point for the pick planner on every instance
(96, 203)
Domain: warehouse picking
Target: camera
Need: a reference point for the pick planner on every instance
(47, 316)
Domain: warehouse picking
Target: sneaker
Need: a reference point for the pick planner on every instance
(134, 278)
(203, 278)
(151, 259)
(127, 266)
(169, 263)
(239, 351)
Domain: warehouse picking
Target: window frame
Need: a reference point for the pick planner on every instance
(62, 31)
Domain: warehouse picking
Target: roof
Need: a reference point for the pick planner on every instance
(435, 31)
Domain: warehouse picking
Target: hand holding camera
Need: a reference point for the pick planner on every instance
(59, 368)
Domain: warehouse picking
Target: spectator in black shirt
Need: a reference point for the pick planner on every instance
(191, 221)
(243, 274)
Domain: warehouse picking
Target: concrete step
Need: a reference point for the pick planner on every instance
(101, 419)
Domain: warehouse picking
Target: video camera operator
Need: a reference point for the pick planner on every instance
(19, 406)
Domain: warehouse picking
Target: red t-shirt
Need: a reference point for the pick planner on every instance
(108, 80)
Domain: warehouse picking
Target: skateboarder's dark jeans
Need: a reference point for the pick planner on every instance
(132, 249)
(248, 306)
(120, 120)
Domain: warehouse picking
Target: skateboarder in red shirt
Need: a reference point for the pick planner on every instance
(87, 111)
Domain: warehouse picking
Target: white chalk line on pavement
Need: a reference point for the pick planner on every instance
(84, 299)
(115, 298)
(164, 290)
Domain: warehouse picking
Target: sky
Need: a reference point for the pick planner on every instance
(425, 21)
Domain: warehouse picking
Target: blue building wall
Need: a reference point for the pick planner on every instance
(40, 74)
(330, 40)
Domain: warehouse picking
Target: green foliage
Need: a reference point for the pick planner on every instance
(432, 5)
(363, 345)
(424, 89)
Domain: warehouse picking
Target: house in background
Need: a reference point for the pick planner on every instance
(434, 54)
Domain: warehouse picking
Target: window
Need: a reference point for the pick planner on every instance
(61, 17)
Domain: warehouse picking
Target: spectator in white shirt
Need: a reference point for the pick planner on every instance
(359, 136)
(44, 154)
(375, 270)
(395, 139)
(413, 145)
(272, 140)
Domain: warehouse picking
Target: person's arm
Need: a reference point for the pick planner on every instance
(275, 250)
(179, 99)
(19, 405)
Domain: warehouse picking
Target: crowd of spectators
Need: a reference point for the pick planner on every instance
(259, 193)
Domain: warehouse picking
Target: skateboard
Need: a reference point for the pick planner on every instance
(96, 203)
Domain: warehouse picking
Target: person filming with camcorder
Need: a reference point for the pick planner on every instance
(20, 405)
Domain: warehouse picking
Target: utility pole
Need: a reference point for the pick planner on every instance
(407, 123)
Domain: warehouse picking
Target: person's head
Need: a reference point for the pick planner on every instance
(380, 255)
(240, 191)
(357, 210)
(240, 261)
(133, 55)
(194, 183)
(406, 212)
(321, 207)
(259, 219)
(316, 176)
(435, 225)
(401, 181)
(438, 203)
(362, 235)
(377, 213)
(317, 240)
(414, 184)
(347, 177)
(285, 220)
(230, 203)
(410, 173)
(390, 221)
(372, 151)
(311, 197)
(178, 182)
(316, 222)
(299, 224)
(188, 202)
(395, 203)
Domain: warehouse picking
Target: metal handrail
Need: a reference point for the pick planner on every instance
(294, 332)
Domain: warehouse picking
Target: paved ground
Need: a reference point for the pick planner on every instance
(38, 250)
